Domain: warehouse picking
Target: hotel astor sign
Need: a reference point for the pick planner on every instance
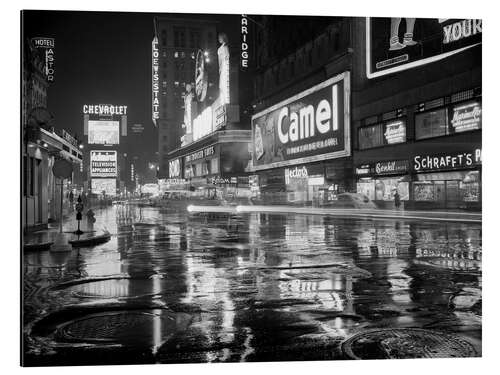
(310, 126)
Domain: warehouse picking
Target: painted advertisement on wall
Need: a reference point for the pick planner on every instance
(310, 126)
(396, 44)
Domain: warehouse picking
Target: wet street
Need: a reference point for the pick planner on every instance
(177, 287)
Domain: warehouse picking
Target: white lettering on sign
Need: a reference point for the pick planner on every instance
(104, 109)
(396, 166)
(103, 163)
(466, 159)
(395, 132)
(155, 86)
(48, 44)
(295, 173)
(461, 29)
(200, 154)
(466, 117)
(49, 64)
(305, 121)
(202, 124)
(244, 42)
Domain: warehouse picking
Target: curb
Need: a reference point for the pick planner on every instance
(90, 241)
(41, 246)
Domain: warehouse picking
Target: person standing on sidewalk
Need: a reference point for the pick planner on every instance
(397, 200)
(71, 197)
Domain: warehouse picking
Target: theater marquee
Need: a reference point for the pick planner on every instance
(311, 126)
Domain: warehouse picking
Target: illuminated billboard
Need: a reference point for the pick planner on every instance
(155, 85)
(396, 44)
(104, 132)
(104, 185)
(103, 164)
(310, 126)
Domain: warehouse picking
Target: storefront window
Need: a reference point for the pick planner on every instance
(371, 136)
(424, 191)
(470, 187)
(387, 133)
(458, 118)
(385, 188)
(448, 187)
(198, 169)
(431, 124)
(366, 188)
(204, 168)
(214, 165)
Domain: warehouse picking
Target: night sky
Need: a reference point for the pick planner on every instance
(102, 57)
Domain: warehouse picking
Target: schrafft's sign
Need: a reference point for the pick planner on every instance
(48, 45)
(105, 109)
(103, 164)
(155, 85)
(311, 126)
(426, 163)
(396, 44)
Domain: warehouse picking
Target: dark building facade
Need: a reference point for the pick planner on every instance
(411, 111)
(178, 41)
(416, 112)
(212, 126)
(301, 149)
(42, 145)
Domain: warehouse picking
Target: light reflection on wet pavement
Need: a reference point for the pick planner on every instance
(254, 287)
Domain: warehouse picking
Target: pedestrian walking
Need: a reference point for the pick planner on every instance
(90, 219)
(397, 200)
(71, 198)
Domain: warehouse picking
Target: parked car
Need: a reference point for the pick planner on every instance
(351, 200)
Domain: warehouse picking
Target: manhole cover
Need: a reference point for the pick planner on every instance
(402, 343)
(119, 327)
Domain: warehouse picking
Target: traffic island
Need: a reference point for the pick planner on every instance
(91, 240)
(42, 246)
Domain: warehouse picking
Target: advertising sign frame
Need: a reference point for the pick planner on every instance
(113, 165)
(344, 114)
(91, 129)
(110, 192)
(406, 63)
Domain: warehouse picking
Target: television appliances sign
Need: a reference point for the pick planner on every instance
(103, 164)
(311, 126)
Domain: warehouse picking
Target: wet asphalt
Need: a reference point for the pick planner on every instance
(173, 287)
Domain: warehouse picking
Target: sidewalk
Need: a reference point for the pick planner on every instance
(452, 216)
(43, 239)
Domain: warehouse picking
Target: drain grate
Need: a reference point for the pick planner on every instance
(119, 327)
(400, 343)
